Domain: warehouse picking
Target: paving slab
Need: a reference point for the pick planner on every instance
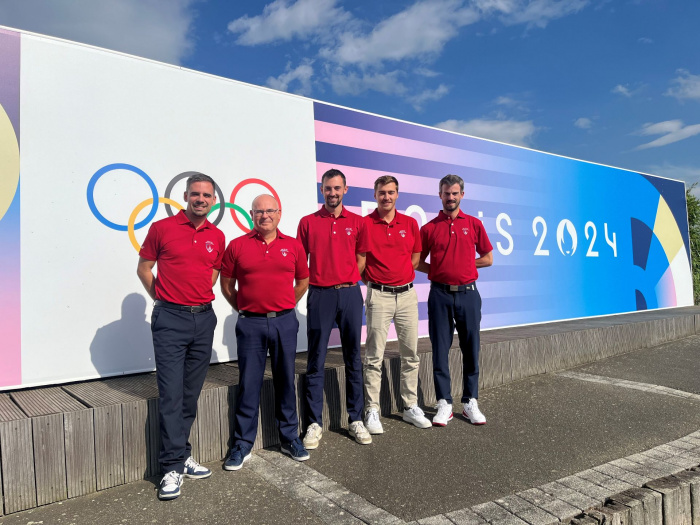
(539, 430)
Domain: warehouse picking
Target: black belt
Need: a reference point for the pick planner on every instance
(390, 289)
(245, 313)
(336, 286)
(454, 287)
(192, 309)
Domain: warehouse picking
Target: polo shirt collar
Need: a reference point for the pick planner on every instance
(377, 219)
(181, 218)
(323, 212)
(444, 217)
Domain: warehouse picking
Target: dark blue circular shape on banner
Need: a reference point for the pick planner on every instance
(100, 217)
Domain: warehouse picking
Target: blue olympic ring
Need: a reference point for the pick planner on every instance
(100, 217)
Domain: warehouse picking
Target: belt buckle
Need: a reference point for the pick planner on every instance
(193, 309)
(454, 288)
(271, 314)
(337, 286)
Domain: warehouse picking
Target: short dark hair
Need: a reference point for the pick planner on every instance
(384, 180)
(200, 177)
(451, 180)
(333, 173)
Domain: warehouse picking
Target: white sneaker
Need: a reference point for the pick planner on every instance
(170, 485)
(372, 423)
(473, 414)
(313, 436)
(359, 432)
(416, 416)
(444, 413)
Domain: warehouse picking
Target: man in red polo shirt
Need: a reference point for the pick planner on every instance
(188, 250)
(272, 274)
(336, 242)
(389, 273)
(452, 239)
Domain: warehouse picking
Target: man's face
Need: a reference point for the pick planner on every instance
(451, 196)
(200, 197)
(386, 196)
(266, 214)
(333, 189)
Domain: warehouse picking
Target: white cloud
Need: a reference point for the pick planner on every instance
(520, 133)
(421, 30)
(583, 123)
(356, 83)
(536, 13)
(621, 90)
(506, 101)
(689, 174)
(419, 100)
(645, 40)
(283, 20)
(301, 74)
(425, 72)
(671, 131)
(686, 86)
(157, 29)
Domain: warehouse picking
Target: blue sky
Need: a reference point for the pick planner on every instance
(609, 81)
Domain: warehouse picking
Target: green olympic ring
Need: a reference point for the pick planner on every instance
(235, 207)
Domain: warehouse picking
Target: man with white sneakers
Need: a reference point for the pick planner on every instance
(395, 248)
(452, 239)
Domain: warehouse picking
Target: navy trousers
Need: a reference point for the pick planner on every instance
(182, 345)
(326, 306)
(445, 310)
(255, 336)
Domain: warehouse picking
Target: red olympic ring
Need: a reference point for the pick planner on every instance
(238, 187)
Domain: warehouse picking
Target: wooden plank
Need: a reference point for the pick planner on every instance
(209, 425)
(340, 419)
(456, 373)
(135, 439)
(268, 434)
(79, 432)
(426, 381)
(153, 439)
(491, 370)
(227, 404)
(505, 360)
(9, 410)
(49, 458)
(109, 449)
(19, 486)
(45, 401)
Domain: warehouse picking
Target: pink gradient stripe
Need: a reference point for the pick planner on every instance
(10, 324)
(369, 140)
(666, 290)
(364, 178)
(358, 211)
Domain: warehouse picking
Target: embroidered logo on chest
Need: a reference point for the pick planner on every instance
(284, 251)
(348, 231)
(465, 231)
(402, 233)
(209, 245)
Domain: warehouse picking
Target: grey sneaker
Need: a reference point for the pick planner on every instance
(359, 432)
(415, 416)
(372, 423)
(313, 436)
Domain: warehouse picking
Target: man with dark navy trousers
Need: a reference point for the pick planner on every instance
(272, 274)
(187, 249)
(452, 239)
(336, 242)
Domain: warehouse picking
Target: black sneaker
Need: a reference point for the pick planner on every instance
(295, 449)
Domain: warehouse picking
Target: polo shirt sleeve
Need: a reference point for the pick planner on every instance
(363, 240)
(222, 245)
(150, 247)
(303, 233)
(483, 244)
(425, 240)
(417, 244)
(301, 271)
(228, 262)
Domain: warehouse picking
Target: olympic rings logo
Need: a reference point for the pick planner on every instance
(131, 226)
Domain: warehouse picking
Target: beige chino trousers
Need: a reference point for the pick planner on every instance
(380, 309)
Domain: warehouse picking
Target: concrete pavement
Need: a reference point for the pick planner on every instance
(541, 429)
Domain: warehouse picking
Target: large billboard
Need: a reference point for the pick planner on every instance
(107, 140)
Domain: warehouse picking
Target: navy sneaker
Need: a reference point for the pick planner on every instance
(239, 455)
(170, 485)
(194, 470)
(295, 449)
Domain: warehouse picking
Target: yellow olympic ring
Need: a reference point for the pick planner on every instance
(134, 214)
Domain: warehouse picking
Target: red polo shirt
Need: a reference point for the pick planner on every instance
(392, 244)
(185, 258)
(453, 246)
(265, 272)
(332, 243)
